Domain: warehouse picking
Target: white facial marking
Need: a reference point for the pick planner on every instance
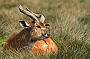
(43, 28)
(35, 30)
(35, 24)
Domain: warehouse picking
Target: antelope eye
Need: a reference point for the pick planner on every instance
(38, 26)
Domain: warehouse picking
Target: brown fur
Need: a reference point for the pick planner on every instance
(19, 40)
(35, 35)
(24, 37)
(46, 46)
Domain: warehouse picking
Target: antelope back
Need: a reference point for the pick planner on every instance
(45, 46)
(19, 40)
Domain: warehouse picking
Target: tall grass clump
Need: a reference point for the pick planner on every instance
(67, 50)
(69, 26)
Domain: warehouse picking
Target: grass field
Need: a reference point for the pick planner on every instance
(69, 26)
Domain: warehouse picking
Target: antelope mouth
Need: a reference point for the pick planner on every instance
(41, 37)
(46, 35)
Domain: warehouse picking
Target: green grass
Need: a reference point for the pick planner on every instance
(2, 41)
(69, 26)
(67, 50)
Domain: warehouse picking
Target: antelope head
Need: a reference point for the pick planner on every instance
(39, 30)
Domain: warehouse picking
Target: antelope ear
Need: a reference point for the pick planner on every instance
(47, 25)
(23, 23)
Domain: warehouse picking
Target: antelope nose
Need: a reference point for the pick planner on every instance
(46, 35)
